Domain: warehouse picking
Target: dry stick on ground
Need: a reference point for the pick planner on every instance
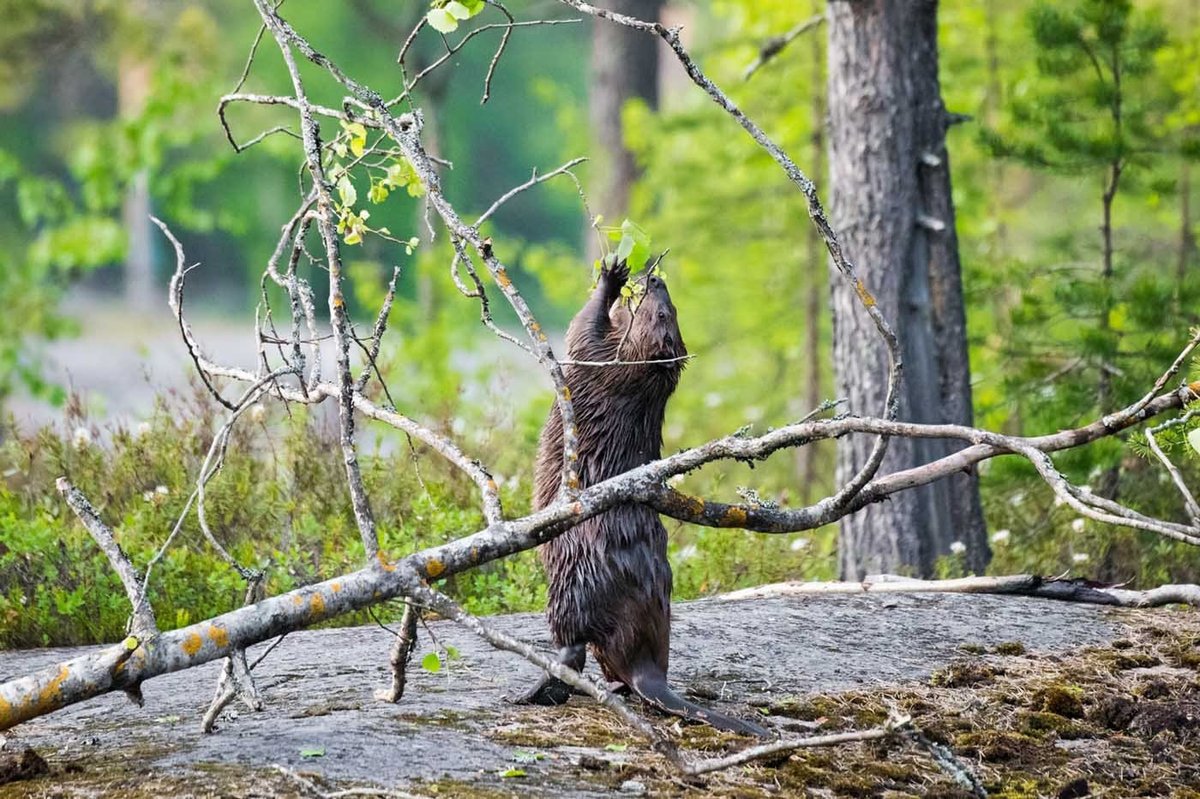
(236, 679)
(1011, 585)
(402, 652)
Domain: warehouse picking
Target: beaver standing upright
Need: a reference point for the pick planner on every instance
(610, 581)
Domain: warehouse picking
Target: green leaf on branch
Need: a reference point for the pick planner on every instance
(346, 192)
(441, 20)
(358, 137)
(1194, 439)
(633, 244)
(431, 663)
(378, 192)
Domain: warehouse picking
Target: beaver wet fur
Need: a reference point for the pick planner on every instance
(609, 578)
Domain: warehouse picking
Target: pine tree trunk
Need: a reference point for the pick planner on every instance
(891, 202)
(624, 66)
(807, 457)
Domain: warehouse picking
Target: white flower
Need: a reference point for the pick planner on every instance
(800, 544)
(958, 547)
(1079, 525)
(712, 399)
(1080, 557)
(82, 437)
(1017, 499)
(1001, 536)
(161, 490)
(258, 412)
(144, 429)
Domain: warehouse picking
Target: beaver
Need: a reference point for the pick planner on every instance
(609, 578)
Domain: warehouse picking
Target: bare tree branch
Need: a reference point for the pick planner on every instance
(142, 618)
(776, 44)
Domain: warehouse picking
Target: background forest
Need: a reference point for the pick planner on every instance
(1072, 166)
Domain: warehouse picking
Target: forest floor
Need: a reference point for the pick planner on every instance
(1034, 695)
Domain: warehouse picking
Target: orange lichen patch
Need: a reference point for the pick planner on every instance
(47, 696)
(690, 505)
(491, 485)
(567, 393)
(434, 567)
(503, 279)
(577, 508)
(317, 602)
(384, 563)
(5, 712)
(573, 482)
(733, 517)
(191, 644)
(338, 302)
(218, 635)
(863, 294)
(336, 587)
(297, 600)
(474, 554)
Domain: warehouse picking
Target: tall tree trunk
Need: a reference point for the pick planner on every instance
(806, 457)
(624, 66)
(939, 234)
(892, 203)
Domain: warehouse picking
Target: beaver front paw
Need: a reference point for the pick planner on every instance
(613, 276)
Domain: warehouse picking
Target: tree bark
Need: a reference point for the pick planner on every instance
(807, 457)
(892, 202)
(624, 67)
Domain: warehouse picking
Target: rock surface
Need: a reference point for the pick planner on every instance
(454, 727)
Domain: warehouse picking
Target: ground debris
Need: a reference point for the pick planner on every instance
(1093, 699)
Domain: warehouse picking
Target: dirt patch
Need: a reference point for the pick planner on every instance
(1066, 705)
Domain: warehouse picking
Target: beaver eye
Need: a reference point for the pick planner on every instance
(655, 282)
(662, 315)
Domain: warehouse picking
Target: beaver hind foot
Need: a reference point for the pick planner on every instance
(651, 685)
(550, 690)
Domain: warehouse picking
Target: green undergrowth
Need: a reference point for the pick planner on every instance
(279, 503)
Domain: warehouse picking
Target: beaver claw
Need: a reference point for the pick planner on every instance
(613, 276)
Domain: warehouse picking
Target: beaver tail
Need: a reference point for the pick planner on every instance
(651, 685)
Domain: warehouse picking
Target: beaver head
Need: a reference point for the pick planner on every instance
(653, 334)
